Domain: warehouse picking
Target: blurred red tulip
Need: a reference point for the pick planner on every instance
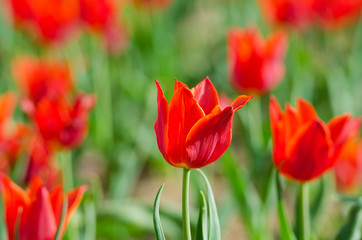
(41, 163)
(39, 78)
(52, 20)
(192, 130)
(304, 146)
(36, 214)
(348, 168)
(333, 13)
(100, 16)
(61, 123)
(255, 65)
(293, 13)
(11, 135)
(20, 11)
(97, 13)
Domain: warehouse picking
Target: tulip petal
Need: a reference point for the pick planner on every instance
(344, 127)
(306, 111)
(35, 184)
(276, 45)
(209, 138)
(291, 121)
(184, 112)
(7, 106)
(308, 153)
(161, 122)
(56, 198)
(240, 102)
(277, 128)
(206, 95)
(179, 84)
(74, 198)
(38, 222)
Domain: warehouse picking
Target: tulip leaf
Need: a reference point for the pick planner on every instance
(156, 216)
(58, 235)
(285, 229)
(214, 224)
(351, 230)
(201, 228)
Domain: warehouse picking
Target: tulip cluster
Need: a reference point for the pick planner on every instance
(37, 213)
(299, 14)
(51, 26)
(59, 117)
(58, 122)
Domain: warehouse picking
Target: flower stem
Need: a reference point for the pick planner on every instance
(303, 213)
(185, 204)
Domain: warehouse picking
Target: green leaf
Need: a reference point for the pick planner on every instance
(214, 225)
(246, 196)
(351, 230)
(285, 229)
(58, 235)
(201, 228)
(156, 216)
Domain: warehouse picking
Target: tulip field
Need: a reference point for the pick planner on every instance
(181, 119)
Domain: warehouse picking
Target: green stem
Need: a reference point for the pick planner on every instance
(303, 213)
(65, 161)
(185, 204)
(285, 230)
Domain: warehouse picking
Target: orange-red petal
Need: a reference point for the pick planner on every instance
(306, 111)
(209, 138)
(38, 221)
(308, 152)
(240, 102)
(206, 95)
(278, 132)
(184, 112)
(161, 122)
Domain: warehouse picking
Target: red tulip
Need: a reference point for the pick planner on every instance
(293, 13)
(20, 11)
(192, 130)
(51, 20)
(336, 12)
(60, 122)
(304, 146)
(39, 78)
(255, 65)
(36, 214)
(100, 16)
(348, 168)
(97, 13)
(11, 136)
